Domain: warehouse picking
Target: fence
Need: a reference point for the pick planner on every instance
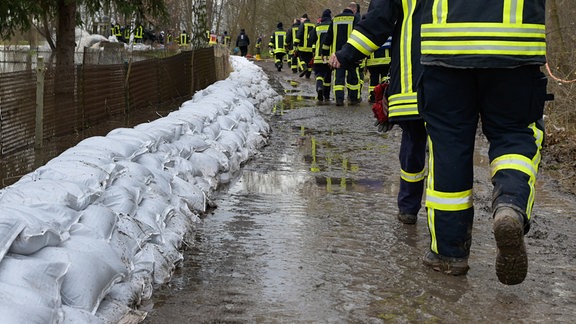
(94, 94)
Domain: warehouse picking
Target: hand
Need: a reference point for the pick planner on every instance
(333, 62)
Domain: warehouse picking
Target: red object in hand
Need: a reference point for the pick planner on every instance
(380, 107)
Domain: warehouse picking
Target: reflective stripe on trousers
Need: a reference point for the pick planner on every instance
(510, 103)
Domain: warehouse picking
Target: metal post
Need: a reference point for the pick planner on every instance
(40, 71)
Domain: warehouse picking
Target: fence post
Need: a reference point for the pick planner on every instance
(40, 71)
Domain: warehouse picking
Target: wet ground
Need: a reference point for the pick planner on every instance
(308, 234)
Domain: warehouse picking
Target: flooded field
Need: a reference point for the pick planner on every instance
(308, 234)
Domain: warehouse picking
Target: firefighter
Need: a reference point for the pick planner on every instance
(212, 38)
(489, 71)
(277, 45)
(184, 38)
(304, 45)
(321, 68)
(399, 19)
(226, 39)
(378, 65)
(138, 34)
(126, 33)
(345, 77)
(259, 48)
(117, 32)
(292, 53)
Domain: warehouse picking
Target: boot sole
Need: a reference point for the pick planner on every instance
(511, 258)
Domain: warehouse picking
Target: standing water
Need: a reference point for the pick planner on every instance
(308, 234)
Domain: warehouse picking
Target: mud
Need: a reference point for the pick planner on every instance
(308, 234)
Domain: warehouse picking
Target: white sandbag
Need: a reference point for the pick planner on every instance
(153, 161)
(208, 164)
(87, 176)
(195, 123)
(14, 313)
(162, 135)
(231, 140)
(171, 149)
(154, 212)
(61, 192)
(75, 315)
(100, 219)
(212, 131)
(10, 228)
(220, 158)
(192, 195)
(206, 111)
(118, 148)
(113, 312)
(227, 122)
(135, 138)
(94, 268)
(183, 168)
(125, 246)
(43, 278)
(194, 142)
(123, 200)
(45, 225)
(139, 231)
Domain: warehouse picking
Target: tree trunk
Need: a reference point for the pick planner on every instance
(556, 46)
(65, 71)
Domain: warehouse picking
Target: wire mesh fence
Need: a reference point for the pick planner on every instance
(88, 94)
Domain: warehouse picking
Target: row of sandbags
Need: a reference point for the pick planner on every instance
(89, 234)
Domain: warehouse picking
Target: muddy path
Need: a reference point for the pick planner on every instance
(308, 234)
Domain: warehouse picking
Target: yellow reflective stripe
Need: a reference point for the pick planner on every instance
(430, 180)
(339, 87)
(353, 86)
(483, 47)
(402, 98)
(403, 104)
(378, 60)
(449, 201)
(430, 184)
(484, 29)
(513, 11)
(432, 229)
(539, 138)
(439, 11)
(413, 177)
(514, 162)
(408, 7)
(362, 43)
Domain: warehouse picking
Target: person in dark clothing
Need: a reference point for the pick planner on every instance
(321, 68)
(345, 77)
(302, 41)
(242, 42)
(292, 54)
(278, 45)
(401, 20)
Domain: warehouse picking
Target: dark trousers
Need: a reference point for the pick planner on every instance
(412, 163)
(243, 50)
(346, 78)
(509, 103)
(306, 58)
(323, 75)
(377, 74)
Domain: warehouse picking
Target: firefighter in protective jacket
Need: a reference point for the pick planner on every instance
(399, 19)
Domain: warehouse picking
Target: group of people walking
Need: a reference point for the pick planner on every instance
(448, 64)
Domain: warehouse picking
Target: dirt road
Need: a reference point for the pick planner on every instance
(308, 234)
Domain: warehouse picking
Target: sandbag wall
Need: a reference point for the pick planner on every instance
(87, 236)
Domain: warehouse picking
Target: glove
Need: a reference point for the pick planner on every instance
(380, 108)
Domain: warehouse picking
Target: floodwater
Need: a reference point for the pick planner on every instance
(308, 234)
